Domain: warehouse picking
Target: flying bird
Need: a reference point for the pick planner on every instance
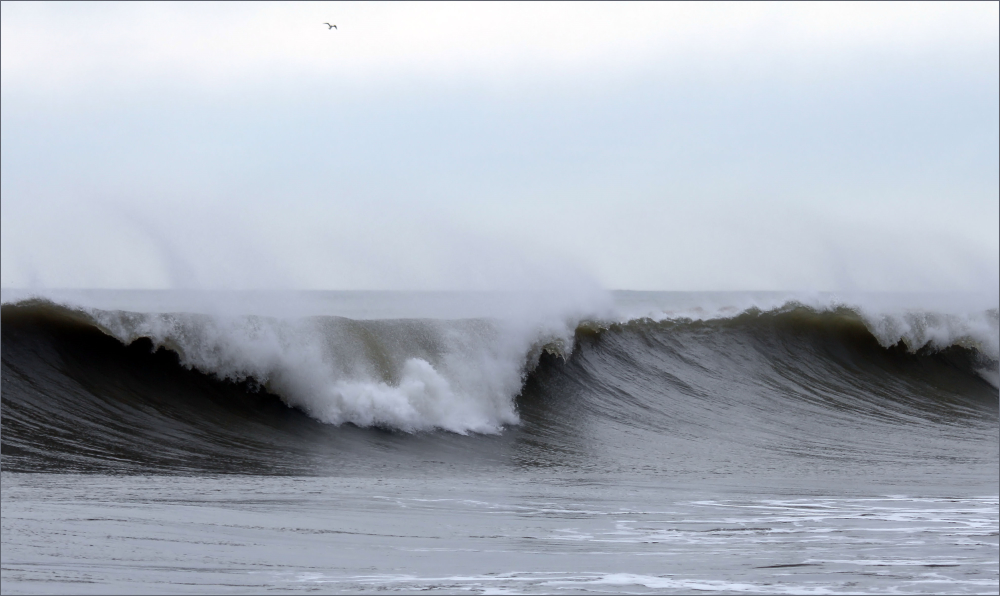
(329, 26)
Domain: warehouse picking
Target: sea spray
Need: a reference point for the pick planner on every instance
(405, 374)
(464, 375)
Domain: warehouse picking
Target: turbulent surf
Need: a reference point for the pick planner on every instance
(95, 388)
(491, 443)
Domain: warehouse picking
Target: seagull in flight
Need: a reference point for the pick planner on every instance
(329, 26)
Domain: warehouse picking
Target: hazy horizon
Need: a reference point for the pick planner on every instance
(440, 147)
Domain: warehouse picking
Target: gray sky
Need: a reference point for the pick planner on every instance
(467, 146)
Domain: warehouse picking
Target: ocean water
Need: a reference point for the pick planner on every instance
(521, 442)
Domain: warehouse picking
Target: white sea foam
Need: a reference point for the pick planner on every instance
(918, 321)
(411, 375)
(517, 581)
(291, 358)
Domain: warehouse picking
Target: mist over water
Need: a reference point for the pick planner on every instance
(877, 175)
(531, 432)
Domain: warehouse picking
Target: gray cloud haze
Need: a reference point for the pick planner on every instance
(434, 146)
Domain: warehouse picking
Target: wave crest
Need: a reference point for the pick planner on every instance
(411, 375)
(922, 330)
(464, 376)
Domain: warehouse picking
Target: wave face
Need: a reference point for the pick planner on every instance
(778, 388)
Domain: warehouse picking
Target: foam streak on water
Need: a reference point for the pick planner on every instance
(340, 536)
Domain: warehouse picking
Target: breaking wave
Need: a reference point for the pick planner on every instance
(119, 374)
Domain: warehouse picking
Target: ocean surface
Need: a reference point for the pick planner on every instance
(519, 442)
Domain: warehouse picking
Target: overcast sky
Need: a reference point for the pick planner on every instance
(467, 146)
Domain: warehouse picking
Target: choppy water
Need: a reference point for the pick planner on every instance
(352, 442)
